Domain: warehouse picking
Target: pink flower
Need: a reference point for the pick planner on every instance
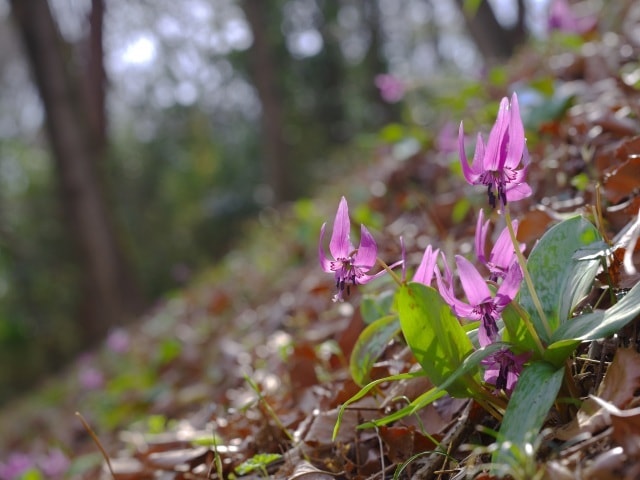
(503, 369)
(502, 254)
(446, 141)
(391, 88)
(349, 265)
(496, 165)
(17, 464)
(426, 269)
(562, 17)
(481, 304)
(54, 465)
(91, 378)
(118, 341)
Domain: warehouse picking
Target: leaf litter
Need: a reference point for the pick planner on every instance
(244, 375)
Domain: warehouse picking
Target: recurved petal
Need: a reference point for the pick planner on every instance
(518, 191)
(340, 244)
(325, 263)
(367, 251)
(482, 228)
(460, 308)
(503, 253)
(493, 160)
(477, 167)
(511, 284)
(425, 271)
(466, 170)
(473, 284)
(516, 135)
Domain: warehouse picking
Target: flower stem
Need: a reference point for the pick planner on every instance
(525, 273)
(527, 322)
(389, 270)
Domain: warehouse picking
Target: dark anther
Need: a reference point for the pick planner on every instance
(501, 382)
(492, 197)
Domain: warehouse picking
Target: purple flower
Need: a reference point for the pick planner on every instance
(496, 164)
(55, 464)
(391, 88)
(16, 465)
(118, 341)
(424, 273)
(481, 304)
(446, 141)
(502, 254)
(503, 369)
(349, 265)
(562, 17)
(91, 378)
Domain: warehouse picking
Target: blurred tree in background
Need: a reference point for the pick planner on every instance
(168, 123)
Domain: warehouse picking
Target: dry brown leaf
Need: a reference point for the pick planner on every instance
(606, 466)
(130, 469)
(618, 388)
(306, 471)
(404, 442)
(626, 427)
(622, 379)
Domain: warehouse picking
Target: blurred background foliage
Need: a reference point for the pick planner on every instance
(213, 111)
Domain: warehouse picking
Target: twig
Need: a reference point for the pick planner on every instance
(90, 431)
(451, 440)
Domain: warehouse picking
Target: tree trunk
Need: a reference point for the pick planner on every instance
(265, 78)
(495, 42)
(110, 295)
(95, 79)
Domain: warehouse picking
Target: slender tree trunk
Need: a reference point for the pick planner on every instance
(95, 79)
(265, 78)
(495, 42)
(375, 62)
(74, 134)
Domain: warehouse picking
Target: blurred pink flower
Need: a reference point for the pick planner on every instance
(17, 464)
(54, 465)
(562, 17)
(91, 378)
(447, 139)
(118, 341)
(392, 89)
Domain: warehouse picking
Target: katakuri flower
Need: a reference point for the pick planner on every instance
(392, 89)
(562, 17)
(349, 265)
(481, 304)
(503, 369)
(426, 269)
(496, 164)
(502, 254)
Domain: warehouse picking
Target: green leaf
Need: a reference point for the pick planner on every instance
(370, 345)
(516, 332)
(376, 306)
(592, 326)
(435, 336)
(528, 407)
(31, 474)
(366, 389)
(468, 365)
(470, 7)
(559, 351)
(418, 403)
(560, 280)
(257, 462)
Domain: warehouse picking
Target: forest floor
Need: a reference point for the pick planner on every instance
(243, 373)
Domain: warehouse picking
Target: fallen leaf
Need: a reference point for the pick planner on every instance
(618, 388)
